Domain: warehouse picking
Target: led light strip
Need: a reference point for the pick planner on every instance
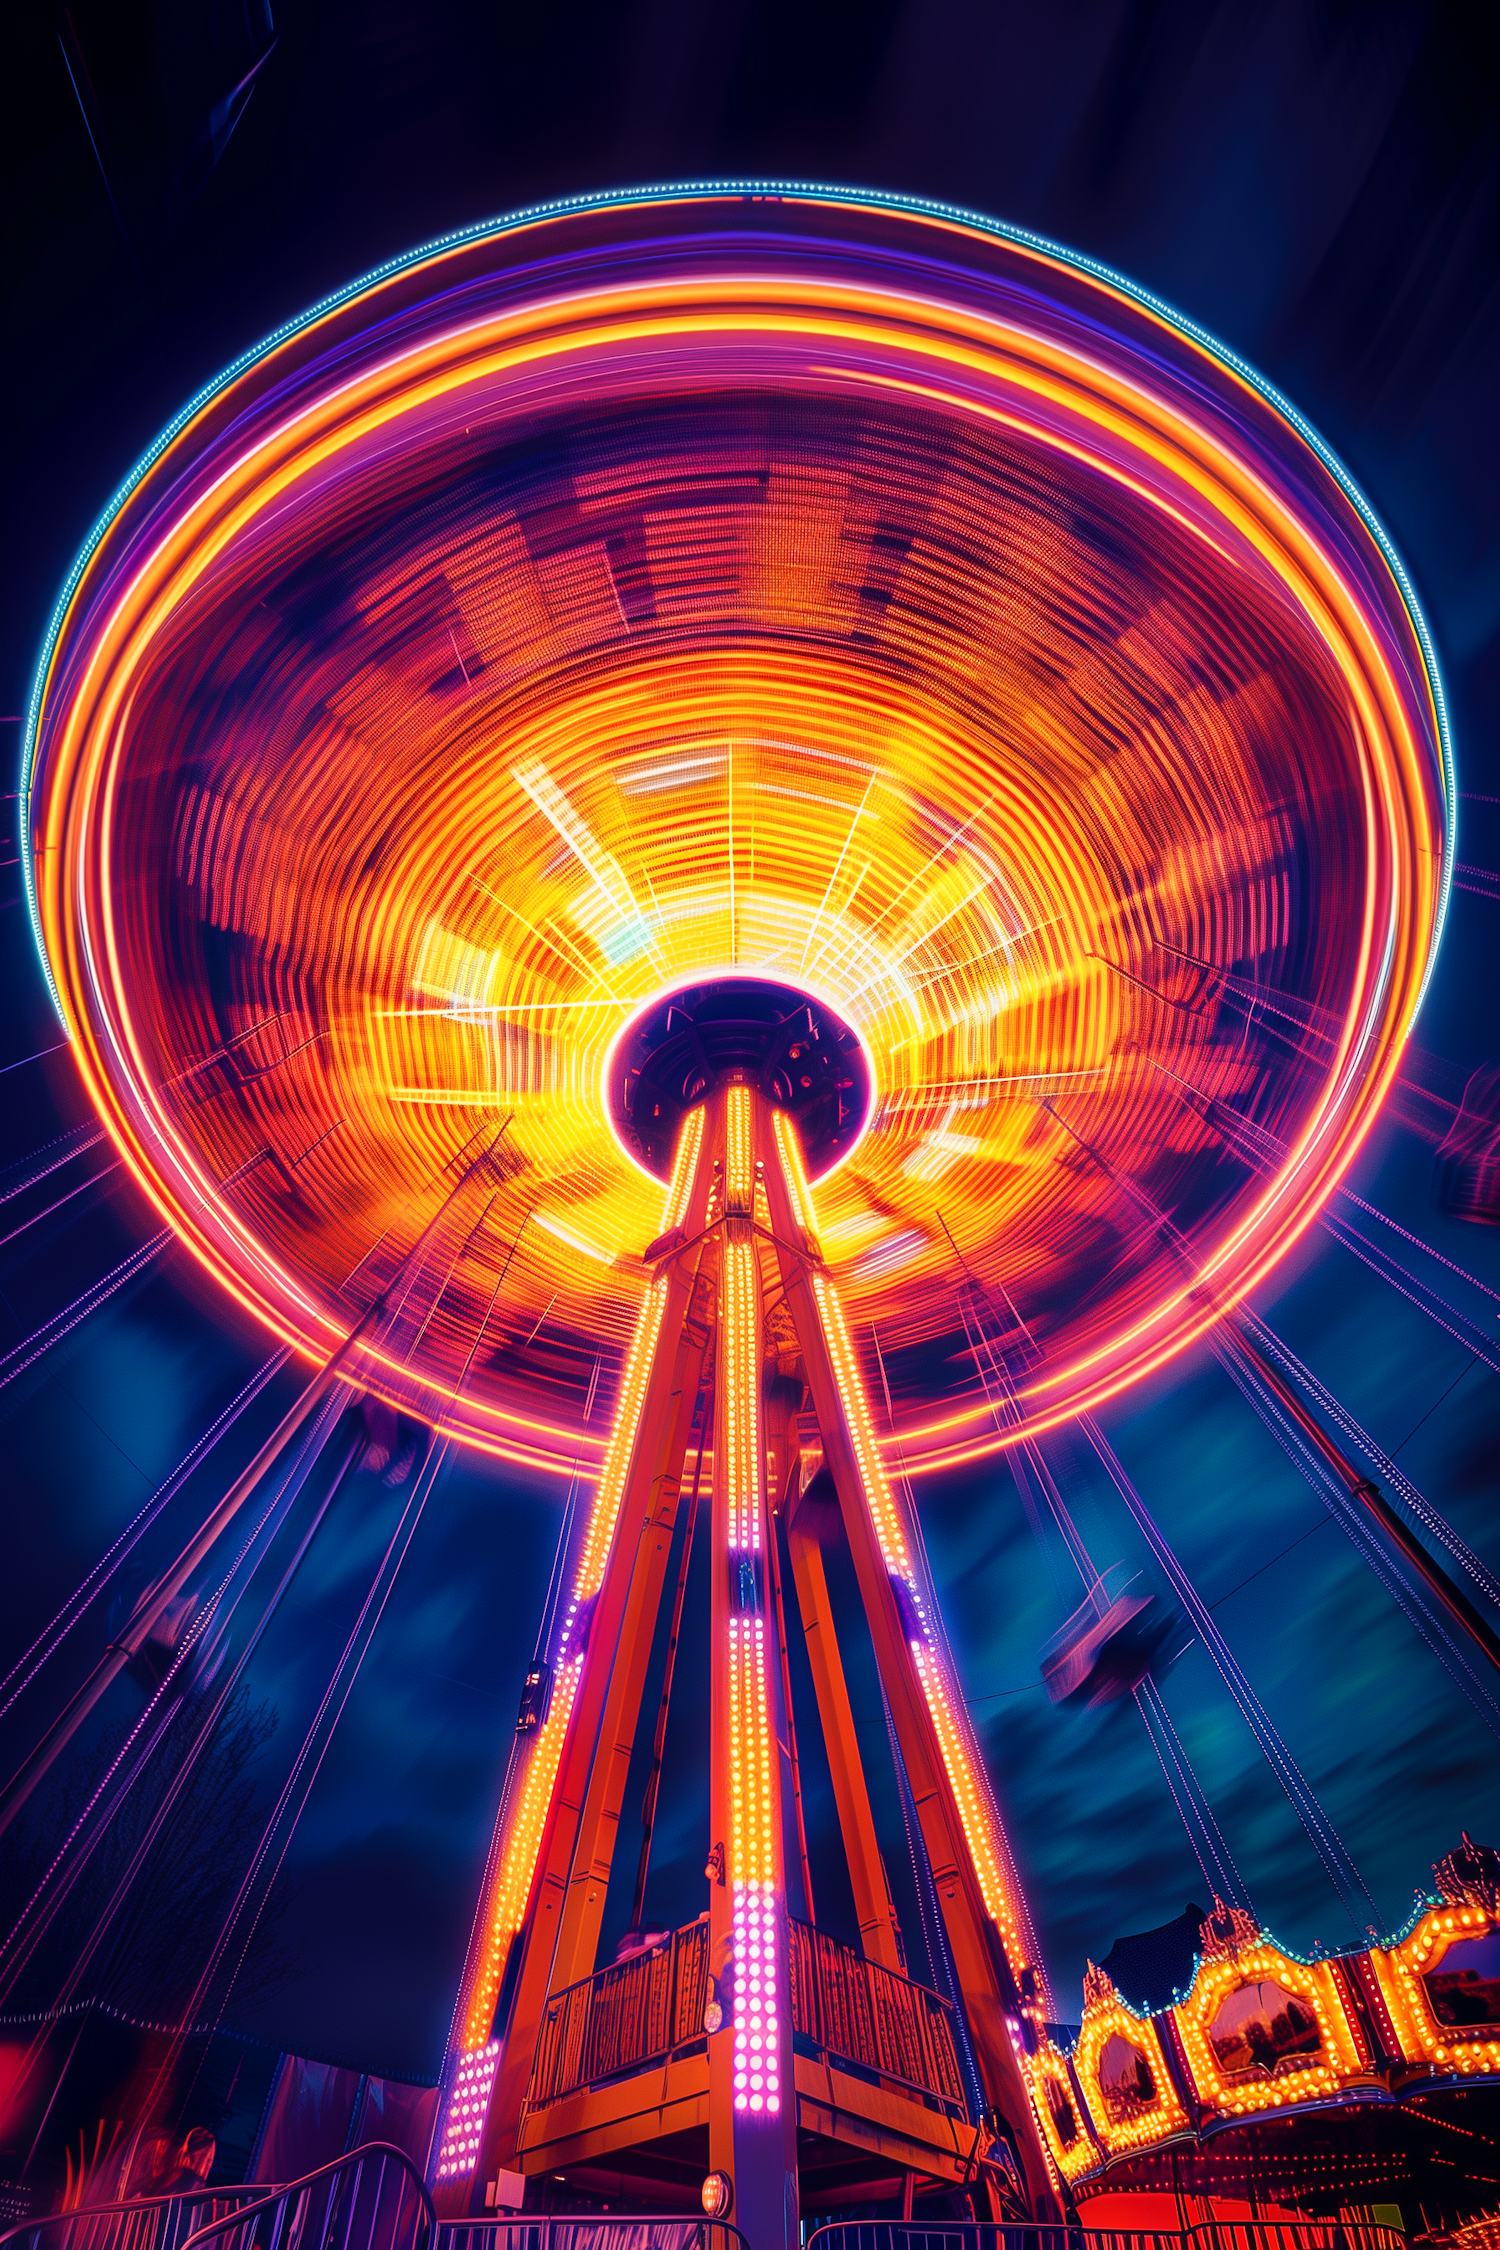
(1401, 1972)
(752, 1840)
(1301, 2077)
(886, 1518)
(467, 2104)
(757, 2031)
(878, 1495)
(790, 1150)
(521, 1847)
(1117, 2128)
(969, 1802)
(739, 1166)
(742, 1394)
(633, 1382)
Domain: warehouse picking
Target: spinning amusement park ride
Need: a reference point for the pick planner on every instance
(801, 815)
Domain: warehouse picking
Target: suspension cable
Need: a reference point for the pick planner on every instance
(1200, 1825)
(60, 1324)
(1354, 1893)
(67, 1616)
(150, 1730)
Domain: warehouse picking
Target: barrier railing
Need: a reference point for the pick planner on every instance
(1296, 2234)
(1213, 2234)
(372, 2199)
(634, 2012)
(152, 2222)
(638, 2011)
(960, 2234)
(645, 2233)
(375, 2199)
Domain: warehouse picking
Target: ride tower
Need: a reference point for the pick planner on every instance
(692, 576)
(748, 2059)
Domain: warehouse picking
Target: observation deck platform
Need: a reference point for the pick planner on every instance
(618, 2098)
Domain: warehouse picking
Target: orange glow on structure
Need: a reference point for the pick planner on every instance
(518, 1864)
(1065, 2134)
(1456, 2047)
(978, 1816)
(1310, 2076)
(1138, 2118)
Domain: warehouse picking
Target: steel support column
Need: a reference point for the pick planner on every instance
(872, 1898)
(626, 1557)
(971, 1885)
(737, 1209)
(752, 2109)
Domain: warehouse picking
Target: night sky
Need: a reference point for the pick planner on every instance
(1320, 188)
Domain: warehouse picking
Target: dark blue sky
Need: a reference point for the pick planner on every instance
(1318, 186)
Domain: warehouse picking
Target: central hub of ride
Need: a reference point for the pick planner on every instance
(801, 1055)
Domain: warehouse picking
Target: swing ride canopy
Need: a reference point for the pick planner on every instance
(787, 586)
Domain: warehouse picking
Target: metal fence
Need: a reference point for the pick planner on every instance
(1294, 2234)
(153, 2222)
(375, 2199)
(620, 2017)
(644, 2233)
(862, 2013)
(960, 2234)
(1213, 2234)
(372, 2199)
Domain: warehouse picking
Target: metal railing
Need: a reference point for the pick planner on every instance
(965, 2234)
(860, 2012)
(150, 2222)
(1294, 2234)
(1211, 2234)
(632, 2013)
(375, 2199)
(640, 2010)
(648, 2232)
(372, 2199)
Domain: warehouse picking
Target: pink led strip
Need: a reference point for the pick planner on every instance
(757, 2041)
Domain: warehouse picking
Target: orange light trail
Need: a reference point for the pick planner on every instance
(895, 609)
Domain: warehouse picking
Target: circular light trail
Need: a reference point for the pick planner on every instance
(802, 586)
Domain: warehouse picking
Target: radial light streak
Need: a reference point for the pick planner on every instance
(363, 696)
